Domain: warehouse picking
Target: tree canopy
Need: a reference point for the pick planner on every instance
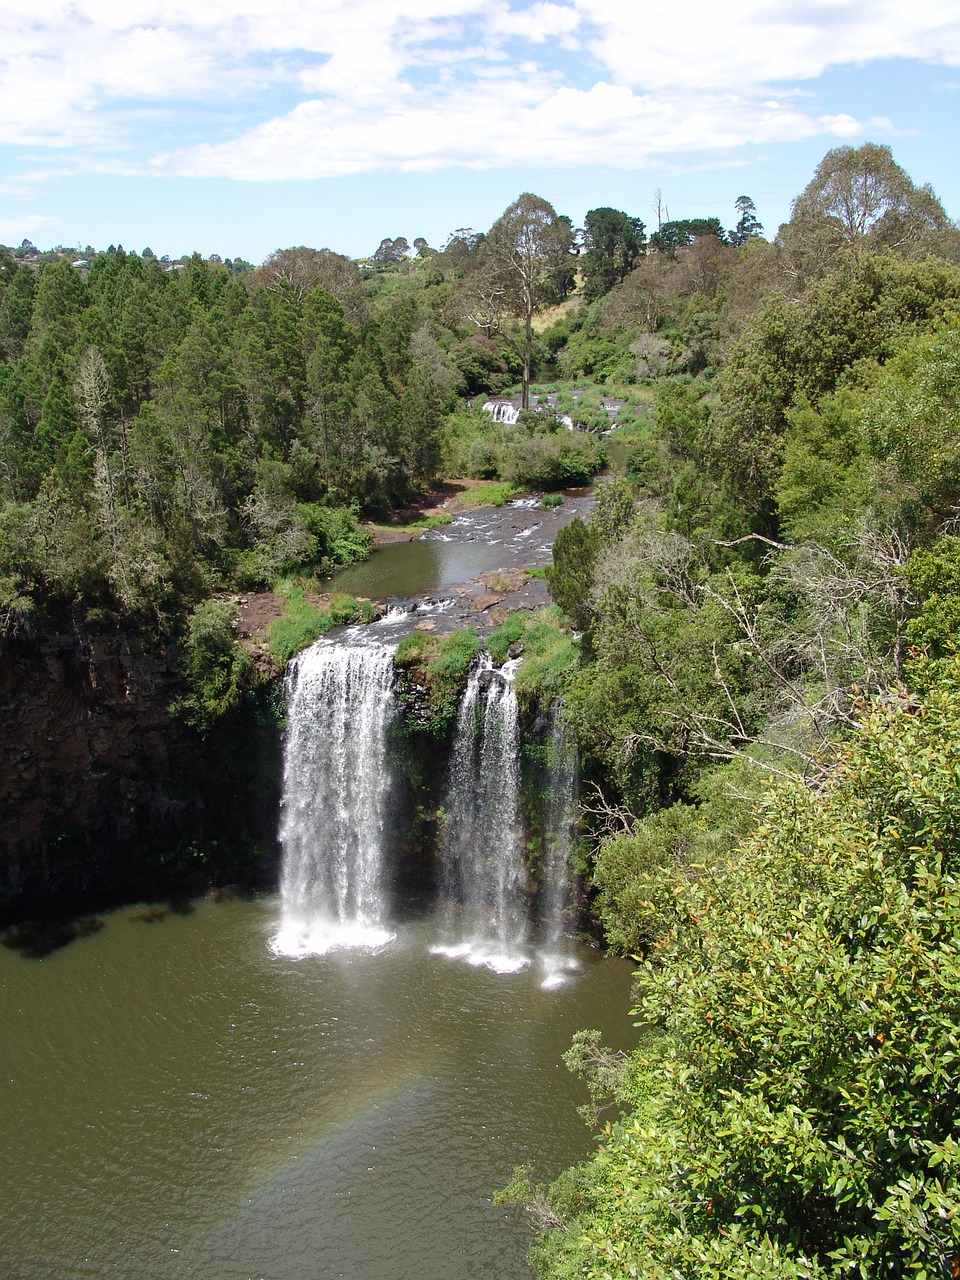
(613, 243)
(859, 197)
(526, 248)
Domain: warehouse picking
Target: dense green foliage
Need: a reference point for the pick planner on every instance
(780, 556)
(535, 453)
(215, 668)
(550, 653)
(163, 432)
(302, 622)
(798, 1112)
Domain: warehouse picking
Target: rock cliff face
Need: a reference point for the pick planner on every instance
(102, 791)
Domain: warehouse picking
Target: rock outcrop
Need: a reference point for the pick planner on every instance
(103, 791)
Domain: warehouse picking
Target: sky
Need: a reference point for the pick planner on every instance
(239, 127)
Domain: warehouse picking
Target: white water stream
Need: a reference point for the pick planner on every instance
(335, 793)
(482, 873)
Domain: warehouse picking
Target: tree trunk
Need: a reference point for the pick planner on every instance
(528, 301)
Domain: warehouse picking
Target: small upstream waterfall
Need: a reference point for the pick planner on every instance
(504, 411)
(482, 871)
(559, 829)
(335, 793)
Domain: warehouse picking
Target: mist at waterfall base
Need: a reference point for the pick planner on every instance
(337, 830)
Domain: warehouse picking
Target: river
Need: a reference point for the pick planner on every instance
(450, 561)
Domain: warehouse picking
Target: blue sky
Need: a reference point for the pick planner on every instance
(241, 126)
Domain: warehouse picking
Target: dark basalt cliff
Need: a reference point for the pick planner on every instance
(103, 791)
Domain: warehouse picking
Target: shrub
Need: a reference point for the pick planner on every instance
(439, 665)
(551, 653)
(490, 493)
(556, 461)
(805, 1091)
(498, 643)
(339, 538)
(213, 664)
(300, 624)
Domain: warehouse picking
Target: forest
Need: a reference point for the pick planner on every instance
(767, 598)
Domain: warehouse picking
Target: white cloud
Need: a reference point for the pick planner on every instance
(369, 84)
(23, 227)
(536, 23)
(713, 46)
(502, 125)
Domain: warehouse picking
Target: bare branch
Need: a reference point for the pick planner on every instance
(612, 818)
(750, 537)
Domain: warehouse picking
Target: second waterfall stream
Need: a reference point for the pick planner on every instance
(339, 826)
(482, 848)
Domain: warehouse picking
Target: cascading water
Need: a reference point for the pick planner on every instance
(559, 827)
(335, 793)
(482, 855)
(338, 794)
(504, 411)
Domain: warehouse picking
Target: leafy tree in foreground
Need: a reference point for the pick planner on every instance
(798, 1115)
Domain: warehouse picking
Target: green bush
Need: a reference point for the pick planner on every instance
(551, 654)
(411, 649)
(534, 453)
(213, 664)
(934, 576)
(498, 643)
(339, 538)
(554, 462)
(300, 624)
(343, 609)
(805, 1090)
(490, 493)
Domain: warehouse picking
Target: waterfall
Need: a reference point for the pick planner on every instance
(339, 795)
(482, 855)
(504, 411)
(558, 836)
(335, 791)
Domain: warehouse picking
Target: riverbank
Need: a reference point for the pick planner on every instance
(484, 563)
